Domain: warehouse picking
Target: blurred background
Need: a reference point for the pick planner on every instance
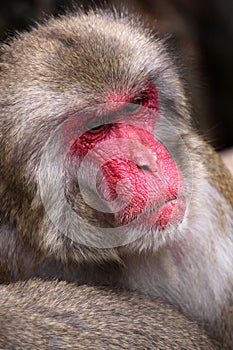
(202, 30)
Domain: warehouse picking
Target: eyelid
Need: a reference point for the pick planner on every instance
(103, 119)
(94, 123)
(112, 117)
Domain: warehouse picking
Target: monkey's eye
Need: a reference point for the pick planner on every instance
(138, 100)
(148, 97)
(95, 126)
(97, 129)
(142, 99)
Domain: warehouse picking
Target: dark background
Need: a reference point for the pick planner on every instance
(202, 30)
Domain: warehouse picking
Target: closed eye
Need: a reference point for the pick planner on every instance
(97, 128)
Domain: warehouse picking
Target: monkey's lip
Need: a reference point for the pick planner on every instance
(169, 213)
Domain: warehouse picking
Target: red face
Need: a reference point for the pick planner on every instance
(137, 176)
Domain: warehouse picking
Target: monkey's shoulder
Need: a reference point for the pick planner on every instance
(220, 177)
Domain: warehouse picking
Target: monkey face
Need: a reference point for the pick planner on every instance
(114, 178)
(97, 121)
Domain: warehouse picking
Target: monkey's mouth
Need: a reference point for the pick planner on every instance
(169, 213)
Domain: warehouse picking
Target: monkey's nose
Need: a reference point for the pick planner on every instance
(145, 160)
(144, 167)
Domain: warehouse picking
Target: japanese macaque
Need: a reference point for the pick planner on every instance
(50, 315)
(103, 178)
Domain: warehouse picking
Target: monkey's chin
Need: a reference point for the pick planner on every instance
(170, 214)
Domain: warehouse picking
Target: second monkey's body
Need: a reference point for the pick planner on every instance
(98, 90)
(55, 315)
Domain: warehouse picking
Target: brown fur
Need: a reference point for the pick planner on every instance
(52, 315)
(227, 157)
(220, 175)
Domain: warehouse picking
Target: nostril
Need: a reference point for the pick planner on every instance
(143, 167)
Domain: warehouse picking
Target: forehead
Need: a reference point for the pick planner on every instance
(81, 59)
(92, 52)
(98, 52)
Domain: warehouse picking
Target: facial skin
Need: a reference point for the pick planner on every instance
(103, 178)
(129, 155)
